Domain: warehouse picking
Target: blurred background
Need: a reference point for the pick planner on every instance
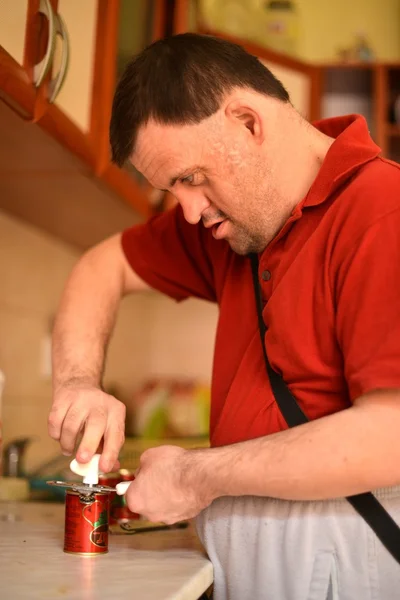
(60, 194)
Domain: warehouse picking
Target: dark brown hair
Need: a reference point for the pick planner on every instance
(182, 80)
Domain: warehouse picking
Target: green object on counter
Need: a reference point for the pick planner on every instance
(57, 494)
(13, 488)
(155, 426)
(203, 402)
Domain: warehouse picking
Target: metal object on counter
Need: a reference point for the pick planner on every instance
(13, 456)
(86, 517)
(135, 526)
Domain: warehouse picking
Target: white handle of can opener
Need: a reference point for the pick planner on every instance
(122, 487)
(89, 471)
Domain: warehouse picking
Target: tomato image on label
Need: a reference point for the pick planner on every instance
(99, 535)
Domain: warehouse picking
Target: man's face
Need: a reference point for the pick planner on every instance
(215, 171)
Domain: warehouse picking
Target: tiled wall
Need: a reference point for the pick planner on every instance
(153, 335)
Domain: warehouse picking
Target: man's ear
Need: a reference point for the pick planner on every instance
(241, 112)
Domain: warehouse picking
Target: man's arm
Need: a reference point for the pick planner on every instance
(346, 453)
(349, 452)
(83, 325)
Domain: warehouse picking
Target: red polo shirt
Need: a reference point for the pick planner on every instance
(330, 278)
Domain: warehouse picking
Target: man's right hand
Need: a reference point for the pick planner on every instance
(85, 408)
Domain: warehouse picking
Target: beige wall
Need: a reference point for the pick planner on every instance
(153, 335)
(323, 26)
(326, 26)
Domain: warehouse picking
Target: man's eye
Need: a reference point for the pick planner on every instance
(193, 179)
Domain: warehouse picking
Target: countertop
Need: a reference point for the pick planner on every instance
(159, 565)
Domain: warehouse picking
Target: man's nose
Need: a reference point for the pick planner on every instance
(193, 205)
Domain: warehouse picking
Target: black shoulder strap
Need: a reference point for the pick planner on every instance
(365, 504)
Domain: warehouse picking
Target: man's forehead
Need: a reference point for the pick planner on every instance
(156, 158)
(155, 139)
(161, 146)
(176, 134)
(161, 134)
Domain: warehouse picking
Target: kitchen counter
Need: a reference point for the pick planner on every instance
(158, 565)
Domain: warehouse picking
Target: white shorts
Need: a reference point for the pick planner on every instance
(267, 549)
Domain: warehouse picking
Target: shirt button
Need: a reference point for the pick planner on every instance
(266, 275)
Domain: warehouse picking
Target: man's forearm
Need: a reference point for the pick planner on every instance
(85, 320)
(350, 452)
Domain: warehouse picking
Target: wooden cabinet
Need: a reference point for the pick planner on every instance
(92, 42)
(388, 109)
(49, 45)
(27, 43)
(51, 173)
(81, 113)
(44, 184)
(76, 94)
(124, 28)
(89, 43)
(369, 89)
(85, 46)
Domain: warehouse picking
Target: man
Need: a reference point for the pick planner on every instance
(203, 119)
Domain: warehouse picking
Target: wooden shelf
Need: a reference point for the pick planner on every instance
(372, 64)
(348, 65)
(392, 130)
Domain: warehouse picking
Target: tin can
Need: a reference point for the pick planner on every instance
(111, 480)
(121, 512)
(86, 523)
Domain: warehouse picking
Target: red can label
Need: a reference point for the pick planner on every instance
(118, 507)
(111, 480)
(86, 523)
(122, 512)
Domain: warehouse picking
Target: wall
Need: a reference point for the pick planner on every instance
(153, 334)
(326, 25)
(323, 26)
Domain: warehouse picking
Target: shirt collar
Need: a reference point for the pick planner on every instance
(352, 148)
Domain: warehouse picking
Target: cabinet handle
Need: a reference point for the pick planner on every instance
(56, 84)
(42, 68)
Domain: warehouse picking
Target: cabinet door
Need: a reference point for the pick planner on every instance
(26, 52)
(75, 96)
(13, 17)
(122, 33)
(140, 23)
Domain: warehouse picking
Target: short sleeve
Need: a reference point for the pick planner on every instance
(172, 256)
(367, 295)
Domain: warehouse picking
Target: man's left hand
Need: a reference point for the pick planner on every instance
(166, 487)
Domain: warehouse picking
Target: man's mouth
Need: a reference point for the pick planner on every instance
(219, 229)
